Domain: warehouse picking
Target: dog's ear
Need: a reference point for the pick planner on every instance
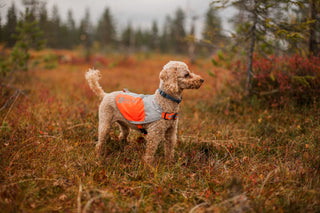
(169, 78)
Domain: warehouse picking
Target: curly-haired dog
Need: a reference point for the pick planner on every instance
(154, 115)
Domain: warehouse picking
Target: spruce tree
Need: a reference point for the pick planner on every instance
(178, 32)
(44, 23)
(260, 29)
(28, 36)
(127, 37)
(85, 33)
(154, 36)
(212, 26)
(166, 39)
(106, 31)
(11, 25)
(1, 31)
(72, 31)
(54, 38)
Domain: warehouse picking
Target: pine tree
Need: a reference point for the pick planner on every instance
(85, 32)
(28, 36)
(212, 27)
(314, 11)
(192, 41)
(54, 29)
(139, 40)
(11, 25)
(44, 23)
(262, 24)
(166, 39)
(127, 37)
(72, 31)
(1, 31)
(154, 36)
(106, 31)
(178, 32)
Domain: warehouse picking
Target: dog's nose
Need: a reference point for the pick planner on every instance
(202, 80)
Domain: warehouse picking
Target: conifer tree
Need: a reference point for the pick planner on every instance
(154, 36)
(212, 26)
(314, 18)
(11, 25)
(1, 30)
(44, 23)
(258, 29)
(106, 31)
(28, 36)
(85, 32)
(54, 29)
(178, 31)
(72, 31)
(127, 37)
(166, 39)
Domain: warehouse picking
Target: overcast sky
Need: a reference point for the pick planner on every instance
(140, 13)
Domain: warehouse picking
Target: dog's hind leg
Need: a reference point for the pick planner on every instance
(124, 131)
(105, 123)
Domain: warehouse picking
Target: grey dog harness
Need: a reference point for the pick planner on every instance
(141, 109)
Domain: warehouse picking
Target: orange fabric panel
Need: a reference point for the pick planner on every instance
(132, 108)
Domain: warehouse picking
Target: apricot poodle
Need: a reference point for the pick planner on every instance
(154, 115)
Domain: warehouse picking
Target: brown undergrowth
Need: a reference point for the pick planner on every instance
(230, 156)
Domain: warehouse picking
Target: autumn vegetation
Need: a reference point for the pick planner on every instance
(243, 146)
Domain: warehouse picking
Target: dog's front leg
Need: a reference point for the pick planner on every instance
(170, 142)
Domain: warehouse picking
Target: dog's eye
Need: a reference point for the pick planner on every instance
(187, 75)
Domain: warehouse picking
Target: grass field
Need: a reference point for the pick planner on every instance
(231, 156)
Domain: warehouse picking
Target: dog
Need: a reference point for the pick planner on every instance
(154, 115)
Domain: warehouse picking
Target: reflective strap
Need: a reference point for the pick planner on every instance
(142, 130)
(169, 116)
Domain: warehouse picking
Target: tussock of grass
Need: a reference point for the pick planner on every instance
(229, 156)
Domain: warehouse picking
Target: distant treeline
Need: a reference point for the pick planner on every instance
(172, 37)
(267, 26)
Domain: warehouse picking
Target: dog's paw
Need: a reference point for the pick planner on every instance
(100, 150)
(148, 160)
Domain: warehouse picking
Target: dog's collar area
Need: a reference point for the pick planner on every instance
(165, 95)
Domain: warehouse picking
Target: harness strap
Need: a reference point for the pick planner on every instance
(142, 130)
(169, 116)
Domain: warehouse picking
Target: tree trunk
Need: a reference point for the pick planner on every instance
(251, 50)
(312, 42)
(249, 68)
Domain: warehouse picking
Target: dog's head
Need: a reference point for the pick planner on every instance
(176, 76)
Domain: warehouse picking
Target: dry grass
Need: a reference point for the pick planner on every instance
(230, 156)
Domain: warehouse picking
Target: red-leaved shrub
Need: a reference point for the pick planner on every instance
(278, 80)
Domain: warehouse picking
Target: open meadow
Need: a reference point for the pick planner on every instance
(231, 155)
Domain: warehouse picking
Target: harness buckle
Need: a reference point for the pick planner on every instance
(169, 116)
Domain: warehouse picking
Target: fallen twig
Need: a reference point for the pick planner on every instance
(10, 104)
(104, 194)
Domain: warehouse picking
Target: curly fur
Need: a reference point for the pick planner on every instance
(174, 78)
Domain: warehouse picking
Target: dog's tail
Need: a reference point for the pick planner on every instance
(93, 77)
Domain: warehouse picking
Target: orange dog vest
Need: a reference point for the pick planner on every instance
(138, 108)
(141, 109)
